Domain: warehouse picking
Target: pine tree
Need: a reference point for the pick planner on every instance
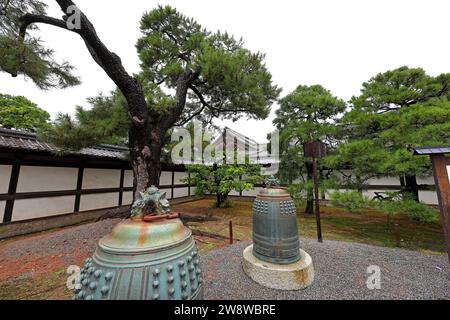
(186, 72)
(306, 114)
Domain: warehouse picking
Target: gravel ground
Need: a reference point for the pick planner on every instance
(340, 267)
(340, 273)
(47, 252)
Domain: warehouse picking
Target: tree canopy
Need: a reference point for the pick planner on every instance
(306, 114)
(187, 72)
(220, 180)
(208, 74)
(17, 112)
(22, 50)
(397, 110)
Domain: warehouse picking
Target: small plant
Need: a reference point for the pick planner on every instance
(353, 201)
(419, 211)
(416, 211)
(299, 194)
(221, 180)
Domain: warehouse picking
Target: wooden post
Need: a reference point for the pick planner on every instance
(441, 178)
(231, 231)
(316, 195)
(397, 235)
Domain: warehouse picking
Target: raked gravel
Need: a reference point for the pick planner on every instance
(340, 273)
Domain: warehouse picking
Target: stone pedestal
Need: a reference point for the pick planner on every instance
(294, 276)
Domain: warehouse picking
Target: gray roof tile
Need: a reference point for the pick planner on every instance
(19, 140)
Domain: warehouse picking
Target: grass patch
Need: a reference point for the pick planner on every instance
(52, 286)
(368, 226)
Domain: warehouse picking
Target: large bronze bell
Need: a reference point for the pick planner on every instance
(151, 256)
(275, 228)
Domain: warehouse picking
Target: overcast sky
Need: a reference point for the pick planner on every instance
(336, 43)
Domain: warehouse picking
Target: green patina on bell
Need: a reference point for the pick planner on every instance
(275, 228)
(147, 257)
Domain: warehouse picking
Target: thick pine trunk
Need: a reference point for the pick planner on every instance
(310, 197)
(412, 187)
(146, 147)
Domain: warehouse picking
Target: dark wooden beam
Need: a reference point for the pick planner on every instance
(79, 188)
(173, 184)
(122, 180)
(12, 189)
(189, 185)
(441, 178)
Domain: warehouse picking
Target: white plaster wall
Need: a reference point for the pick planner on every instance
(426, 180)
(428, 197)
(384, 181)
(36, 179)
(128, 179)
(371, 193)
(127, 198)
(179, 176)
(101, 178)
(2, 209)
(252, 193)
(166, 178)
(180, 192)
(168, 193)
(42, 207)
(234, 193)
(5, 176)
(448, 173)
(99, 201)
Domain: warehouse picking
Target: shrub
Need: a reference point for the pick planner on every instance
(416, 211)
(353, 201)
(298, 193)
(419, 211)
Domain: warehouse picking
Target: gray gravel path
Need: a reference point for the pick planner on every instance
(340, 273)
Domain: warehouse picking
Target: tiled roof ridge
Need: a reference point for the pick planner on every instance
(21, 134)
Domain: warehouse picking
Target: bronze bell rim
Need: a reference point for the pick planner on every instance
(274, 197)
(113, 243)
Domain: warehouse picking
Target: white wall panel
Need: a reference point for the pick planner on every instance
(5, 176)
(2, 210)
(166, 178)
(42, 207)
(428, 197)
(168, 193)
(127, 198)
(252, 193)
(384, 181)
(99, 201)
(128, 179)
(180, 176)
(426, 180)
(180, 192)
(37, 179)
(101, 178)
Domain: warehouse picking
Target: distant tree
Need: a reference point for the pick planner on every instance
(397, 111)
(187, 72)
(17, 112)
(306, 114)
(106, 121)
(220, 180)
(363, 160)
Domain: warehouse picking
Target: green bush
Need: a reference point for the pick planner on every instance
(416, 211)
(299, 193)
(353, 201)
